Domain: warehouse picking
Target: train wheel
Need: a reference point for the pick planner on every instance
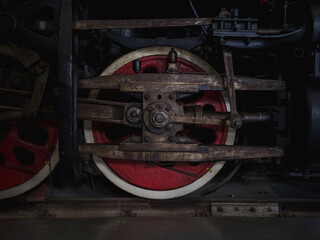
(152, 180)
(28, 148)
(28, 152)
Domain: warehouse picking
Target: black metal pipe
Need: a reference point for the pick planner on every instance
(68, 149)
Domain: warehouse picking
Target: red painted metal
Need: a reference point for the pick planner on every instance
(146, 175)
(15, 170)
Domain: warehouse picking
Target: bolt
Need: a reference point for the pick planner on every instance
(236, 209)
(172, 56)
(169, 126)
(150, 107)
(171, 96)
(136, 66)
(237, 123)
(146, 139)
(160, 118)
(252, 209)
(134, 114)
(146, 96)
(168, 109)
(220, 209)
(160, 106)
(171, 139)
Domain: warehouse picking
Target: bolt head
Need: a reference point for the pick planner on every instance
(237, 123)
(220, 209)
(133, 114)
(253, 209)
(160, 118)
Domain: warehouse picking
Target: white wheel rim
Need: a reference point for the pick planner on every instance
(35, 180)
(115, 179)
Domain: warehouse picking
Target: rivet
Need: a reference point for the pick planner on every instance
(252, 209)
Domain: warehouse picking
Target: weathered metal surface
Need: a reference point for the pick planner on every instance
(10, 108)
(103, 113)
(14, 91)
(245, 117)
(159, 147)
(234, 115)
(70, 165)
(210, 153)
(31, 108)
(143, 82)
(252, 84)
(244, 209)
(200, 121)
(139, 23)
(114, 112)
(134, 207)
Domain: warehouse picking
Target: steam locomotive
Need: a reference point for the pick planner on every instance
(158, 98)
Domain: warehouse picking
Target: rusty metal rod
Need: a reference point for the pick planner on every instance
(201, 81)
(13, 91)
(153, 23)
(213, 153)
(139, 23)
(114, 112)
(10, 108)
(245, 117)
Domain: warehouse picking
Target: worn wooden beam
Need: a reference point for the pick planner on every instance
(139, 23)
(213, 153)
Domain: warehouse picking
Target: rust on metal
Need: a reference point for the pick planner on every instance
(139, 23)
(234, 115)
(212, 153)
(159, 147)
(143, 82)
(245, 209)
(35, 67)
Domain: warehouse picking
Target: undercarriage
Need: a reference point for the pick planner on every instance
(161, 102)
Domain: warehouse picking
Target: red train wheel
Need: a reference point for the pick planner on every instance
(153, 180)
(27, 149)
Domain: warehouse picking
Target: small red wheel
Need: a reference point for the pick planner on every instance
(152, 180)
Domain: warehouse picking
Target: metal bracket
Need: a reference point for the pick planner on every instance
(244, 209)
(235, 116)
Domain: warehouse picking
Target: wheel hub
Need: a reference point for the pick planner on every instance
(157, 117)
